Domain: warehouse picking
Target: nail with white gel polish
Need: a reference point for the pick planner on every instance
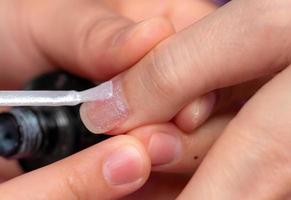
(105, 115)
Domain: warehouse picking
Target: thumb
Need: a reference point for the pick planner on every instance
(207, 56)
(109, 170)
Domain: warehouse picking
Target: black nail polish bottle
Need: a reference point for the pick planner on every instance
(38, 136)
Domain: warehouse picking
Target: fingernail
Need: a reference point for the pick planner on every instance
(129, 32)
(164, 148)
(194, 114)
(105, 115)
(203, 107)
(123, 166)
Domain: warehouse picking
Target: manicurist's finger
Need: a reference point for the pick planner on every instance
(196, 112)
(216, 52)
(108, 170)
(85, 37)
(91, 39)
(251, 159)
(229, 99)
(172, 150)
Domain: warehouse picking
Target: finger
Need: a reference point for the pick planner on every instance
(229, 99)
(254, 146)
(94, 39)
(171, 150)
(84, 37)
(156, 89)
(108, 170)
(196, 112)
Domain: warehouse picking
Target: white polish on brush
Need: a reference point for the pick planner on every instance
(56, 98)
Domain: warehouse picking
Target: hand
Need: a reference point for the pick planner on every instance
(242, 41)
(78, 36)
(108, 170)
(81, 172)
(81, 37)
(96, 39)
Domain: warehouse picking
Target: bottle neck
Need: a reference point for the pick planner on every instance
(29, 131)
(9, 135)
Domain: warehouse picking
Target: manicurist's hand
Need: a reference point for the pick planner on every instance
(97, 40)
(242, 41)
(94, 39)
(108, 170)
(87, 175)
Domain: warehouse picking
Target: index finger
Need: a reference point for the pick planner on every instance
(84, 37)
(241, 41)
(251, 159)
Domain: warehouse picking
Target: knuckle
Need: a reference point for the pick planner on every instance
(93, 35)
(163, 74)
(87, 43)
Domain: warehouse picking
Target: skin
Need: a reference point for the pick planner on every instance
(89, 39)
(255, 144)
(86, 175)
(246, 40)
(40, 49)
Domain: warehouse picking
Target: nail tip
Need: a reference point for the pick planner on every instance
(102, 123)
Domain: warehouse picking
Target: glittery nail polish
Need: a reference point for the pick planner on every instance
(105, 115)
